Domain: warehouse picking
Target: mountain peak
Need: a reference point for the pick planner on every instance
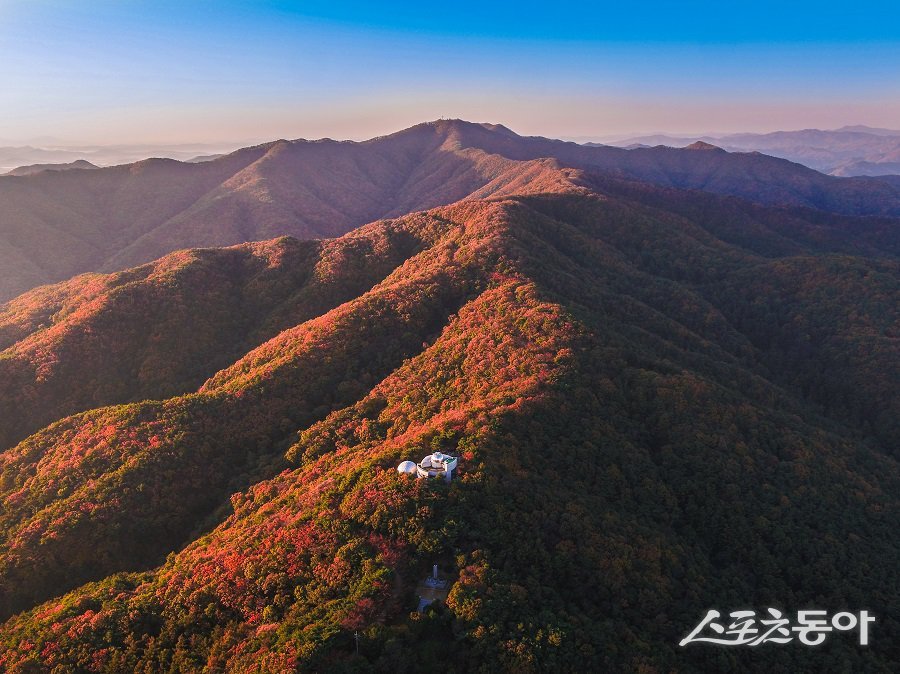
(702, 145)
(871, 130)
(38, 168)
(456, 126)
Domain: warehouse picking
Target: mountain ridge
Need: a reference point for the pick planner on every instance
(58, 224)
(638, 381)
(37, 168)
(848, 151)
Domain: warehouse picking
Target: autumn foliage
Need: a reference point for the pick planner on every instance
(656, 412)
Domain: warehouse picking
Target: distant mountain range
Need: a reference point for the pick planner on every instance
(848, 151)
(55, 224)
(37, 168)
(670, 378)
(53, 151)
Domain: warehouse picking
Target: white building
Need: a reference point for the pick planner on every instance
(437, 465)
(407, 467)
(433, 465)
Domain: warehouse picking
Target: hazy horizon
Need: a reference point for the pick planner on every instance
(137, 72)
(47, 142)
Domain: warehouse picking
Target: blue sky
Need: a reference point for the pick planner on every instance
(146, 72)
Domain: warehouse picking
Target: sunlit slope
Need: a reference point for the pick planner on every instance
(654, 416)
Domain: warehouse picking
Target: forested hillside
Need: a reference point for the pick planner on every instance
(663, 402)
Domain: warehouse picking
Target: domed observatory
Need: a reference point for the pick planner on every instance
(437, 465)
(433, 465)
(407, 467)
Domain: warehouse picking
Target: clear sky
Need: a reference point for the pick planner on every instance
(115, 71)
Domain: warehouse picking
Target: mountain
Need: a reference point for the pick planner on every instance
(888, 164)
(59, 353)
(662, 400)
(37, 168)
(848, 151)
(202, 158)
(651, 140)
(49, 150)
(862, 128)
(12, 156)
(54, 225)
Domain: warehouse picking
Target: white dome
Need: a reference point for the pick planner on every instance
(407, 467)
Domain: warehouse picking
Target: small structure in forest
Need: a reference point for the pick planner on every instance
(437, 465)
(407, 467)
(433, 465)
(433, 588)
